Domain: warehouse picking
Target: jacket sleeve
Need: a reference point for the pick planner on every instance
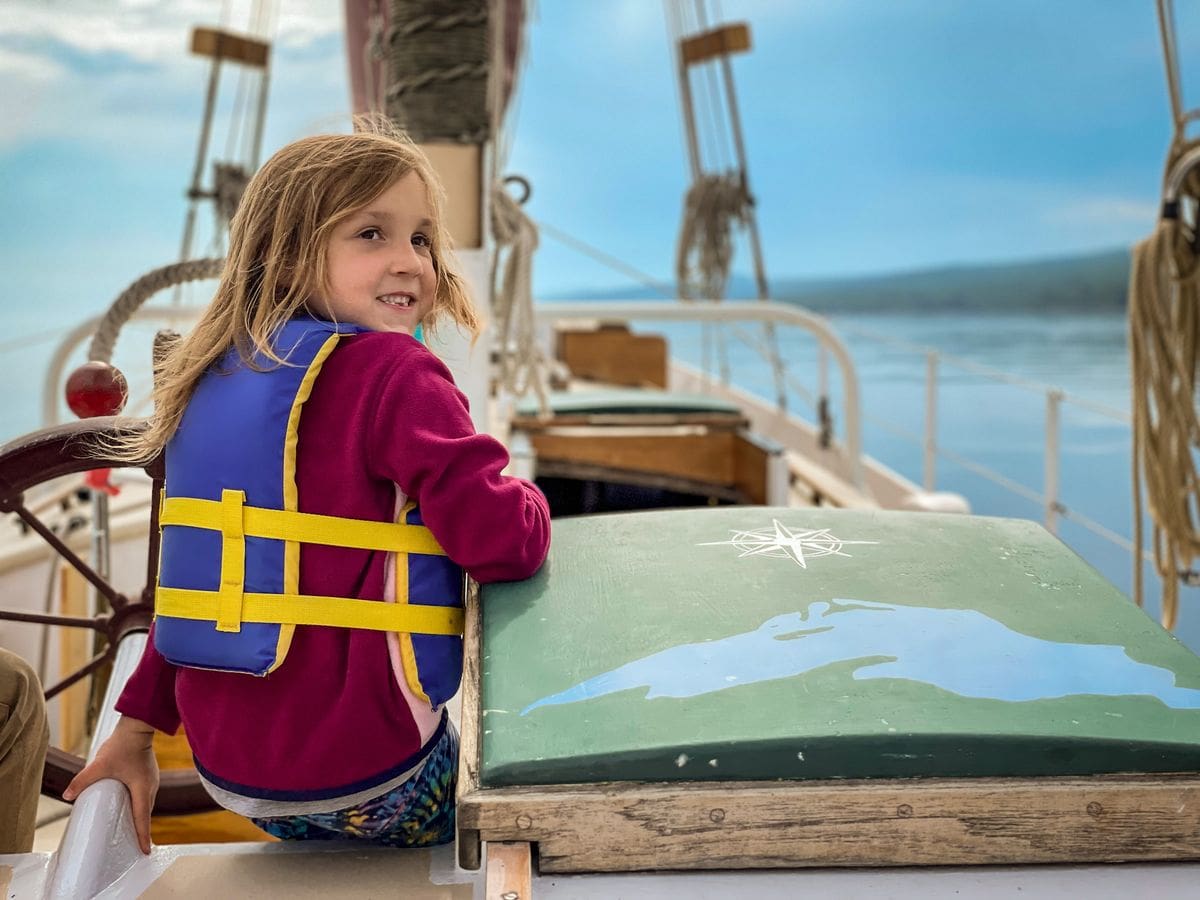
(149, 695)
(496, 527)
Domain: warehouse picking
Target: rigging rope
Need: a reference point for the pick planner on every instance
(1164, 337)
(714, 203)
(1163, 299)
(720, 195)
(703, 257)
(139, 292)
(229, 183)
(374, 56)
(523, 364)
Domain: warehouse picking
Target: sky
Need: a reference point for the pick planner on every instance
(881, 135)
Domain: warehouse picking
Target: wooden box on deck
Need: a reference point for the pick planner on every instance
(714, 822)
(612, 354)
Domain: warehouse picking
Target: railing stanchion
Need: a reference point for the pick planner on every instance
(931, 392)
(1053, 402)
(824, 416)
(822, 371)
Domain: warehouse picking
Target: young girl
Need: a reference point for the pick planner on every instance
(300, 418)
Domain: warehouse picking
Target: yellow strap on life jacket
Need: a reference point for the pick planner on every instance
(304, 528)
(230, 606)
(233, 561)
(304, 609)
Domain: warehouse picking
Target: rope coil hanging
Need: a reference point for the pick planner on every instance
(714, 204)
(719, 197)
(523, 364)
(230, 182)
(1164, 337)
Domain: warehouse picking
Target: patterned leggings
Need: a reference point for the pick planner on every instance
(418, 813)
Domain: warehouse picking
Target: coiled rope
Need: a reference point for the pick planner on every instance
(1164, 336)
(714, 204)
(523, 364)
(438, 80)
(230, 182)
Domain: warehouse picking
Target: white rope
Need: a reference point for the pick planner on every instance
(374, 57)
(705, 252)
(714, 203)
(523, 364)
(139, 292)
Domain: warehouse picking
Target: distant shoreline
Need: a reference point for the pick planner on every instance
(1095, 283)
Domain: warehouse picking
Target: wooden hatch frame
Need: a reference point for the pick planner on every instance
(631, 826)
(710, 454)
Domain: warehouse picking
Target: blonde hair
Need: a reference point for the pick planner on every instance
(277, 261)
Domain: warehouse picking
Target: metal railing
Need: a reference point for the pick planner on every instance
(1049, 498)
(829, 345)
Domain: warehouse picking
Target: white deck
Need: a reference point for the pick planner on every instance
(300, 871)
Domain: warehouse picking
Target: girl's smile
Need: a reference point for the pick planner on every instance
(380, 262)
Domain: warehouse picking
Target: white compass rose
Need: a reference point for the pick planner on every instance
(796, 545)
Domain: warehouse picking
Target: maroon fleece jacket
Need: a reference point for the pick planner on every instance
(331, 719)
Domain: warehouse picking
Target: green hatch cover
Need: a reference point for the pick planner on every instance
(759, 643)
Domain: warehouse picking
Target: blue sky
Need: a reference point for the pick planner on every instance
(882, 135)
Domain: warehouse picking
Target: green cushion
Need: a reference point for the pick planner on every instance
(627, 402)
(749, 642)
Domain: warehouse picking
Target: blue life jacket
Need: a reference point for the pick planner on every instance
(229, 567)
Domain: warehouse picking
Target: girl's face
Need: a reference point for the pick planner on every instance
(380, 263)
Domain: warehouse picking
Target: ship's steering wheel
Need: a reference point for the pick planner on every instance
(76, 448)
(69, 450)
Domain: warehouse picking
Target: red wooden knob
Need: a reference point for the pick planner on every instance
(96, 389)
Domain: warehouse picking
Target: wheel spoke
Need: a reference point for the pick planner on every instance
(69, 555)
(90, 667)
(99, 623)
(65, 450)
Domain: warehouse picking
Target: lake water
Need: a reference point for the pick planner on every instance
(997, 425)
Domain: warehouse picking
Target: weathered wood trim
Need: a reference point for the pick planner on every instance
(75, 647)
(751, 456)
(549, 468)
(722, 825)
(509, 871)
(614, 355)
(727, 39)
(705, 457)
(469, 749)
(461, 165)
(217, 44)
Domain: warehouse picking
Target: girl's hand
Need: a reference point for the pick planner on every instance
(127, 756)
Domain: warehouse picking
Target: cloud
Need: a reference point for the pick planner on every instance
(142, 33)
(28, 67)
(151, 31)
(81, 68)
